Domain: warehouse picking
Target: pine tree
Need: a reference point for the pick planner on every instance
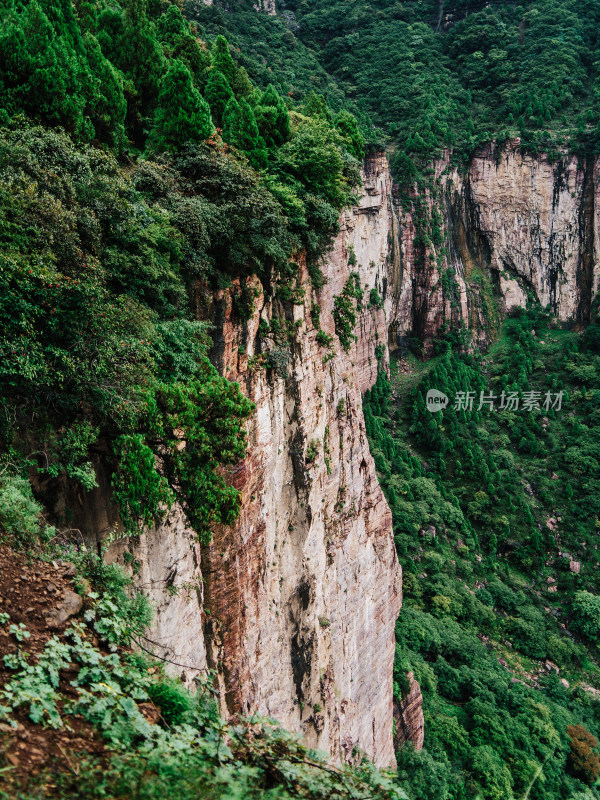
(195, 56)
(50, 74)
(231, 120)
(217, 93)
(241, 131)
(182, 115)
(140, 56)
(109, 109)
(222, 60)
(273, 118)
(171, 25)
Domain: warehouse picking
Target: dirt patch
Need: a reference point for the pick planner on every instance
(39, 595)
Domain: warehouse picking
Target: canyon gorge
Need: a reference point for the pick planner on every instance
(294, 606)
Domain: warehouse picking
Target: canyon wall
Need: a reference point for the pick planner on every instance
(475, 242)
(293, 607)
(304, 590)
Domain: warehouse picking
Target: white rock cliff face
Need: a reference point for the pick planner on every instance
(294, 606)
(513, 223)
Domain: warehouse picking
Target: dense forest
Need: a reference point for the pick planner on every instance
(435, 74)
(495, 518)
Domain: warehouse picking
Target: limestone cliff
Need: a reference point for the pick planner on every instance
(304, 590)
(294, 606)
(477, 240)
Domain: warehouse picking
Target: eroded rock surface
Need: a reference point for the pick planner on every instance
(512, 224)
(408, 716)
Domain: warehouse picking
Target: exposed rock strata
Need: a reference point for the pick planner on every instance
(408, 716)
(512, 224)
(304, 590)
(294, 606)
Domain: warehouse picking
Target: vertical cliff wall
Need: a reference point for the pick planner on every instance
(476, 242)
(294, 606)
(304, 590)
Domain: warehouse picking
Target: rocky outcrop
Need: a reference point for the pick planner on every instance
(266, 6)
(409, 722)
(293, 607)
(474, 243)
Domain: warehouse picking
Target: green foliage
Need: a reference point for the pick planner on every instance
(20, 513)
(462, 75)
(217, 93)
(273, 118)
(142, 494)
(471, 492)
(345, 306)
(375, 299)
(312, 451)
(224, 63)
(55, 75)
(182, 115)
(199, 426)
(241, 131)
(586, 614)
(174, 702)
(347, 125)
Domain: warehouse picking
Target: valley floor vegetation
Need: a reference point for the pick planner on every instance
(495, 517)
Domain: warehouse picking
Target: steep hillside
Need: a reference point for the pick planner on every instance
(458, 75)
(186, 333)
(85, 716)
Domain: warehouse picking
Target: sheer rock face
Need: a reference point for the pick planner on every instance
(513, 223)
(294, 606)
(304, 590)
(408, 716)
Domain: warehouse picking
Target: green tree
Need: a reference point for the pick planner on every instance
(171, 25)
(138, 53)
(49, 72)
(217, 93)
(241, 131)
(347, 125)
(586, 614)
(273, 118)
(313, 157)
(182, 115)
(110, 107)
(222, 60)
